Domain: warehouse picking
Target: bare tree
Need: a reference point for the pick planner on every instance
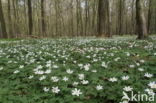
(121, 16)
(43, 17)
(2, 22)
(103, 18)
(78, 17)
(151, 4)
(9, 18)
(30, 17)
(140, 21)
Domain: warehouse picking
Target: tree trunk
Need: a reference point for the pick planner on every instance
(86, 17)
(149, 16)
(2, 22)
(9, 19)
(71, 19)
(140, 21)
(79, 18)
(57, 33)
(15, 19)
(121, 16)
(30, 17)
(43, 18)
(103, 18)
(133, 31)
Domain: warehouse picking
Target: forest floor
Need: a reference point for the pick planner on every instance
(76, 70)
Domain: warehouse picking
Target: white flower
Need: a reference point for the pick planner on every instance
(69, 71)
(95, 60)
(94, 71)
(113, 79)
(16, 71)
(112, 54)
(99, 87)
(40, 67)
(47, 71)
(75, 83)
(142, 61)
(46, 89)
(150, 91)
(125, 101)
(154, 54)
(127, 89)
(75, 62)
(76, 92)
(1, 68)
(104, 64)
(40, 72)
(138, 64)
(127, 53)
(131, 66)
(125, 77)
(141, 69)
(81, 76)
(80, 65)
(48, 62)
(85, 82)
(32, 60)
(55, 90)
(30, 77)
(87, 67)
(55, 79)
(21, 66)
(48, 65)
(55, 66)
(148, 75)
(42, 78)
(116, 59)
(65, 79)
(152, 85)
(10, 61)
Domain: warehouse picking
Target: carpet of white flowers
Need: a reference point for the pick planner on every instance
(76, 70)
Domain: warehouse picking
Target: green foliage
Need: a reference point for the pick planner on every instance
(19, 61)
